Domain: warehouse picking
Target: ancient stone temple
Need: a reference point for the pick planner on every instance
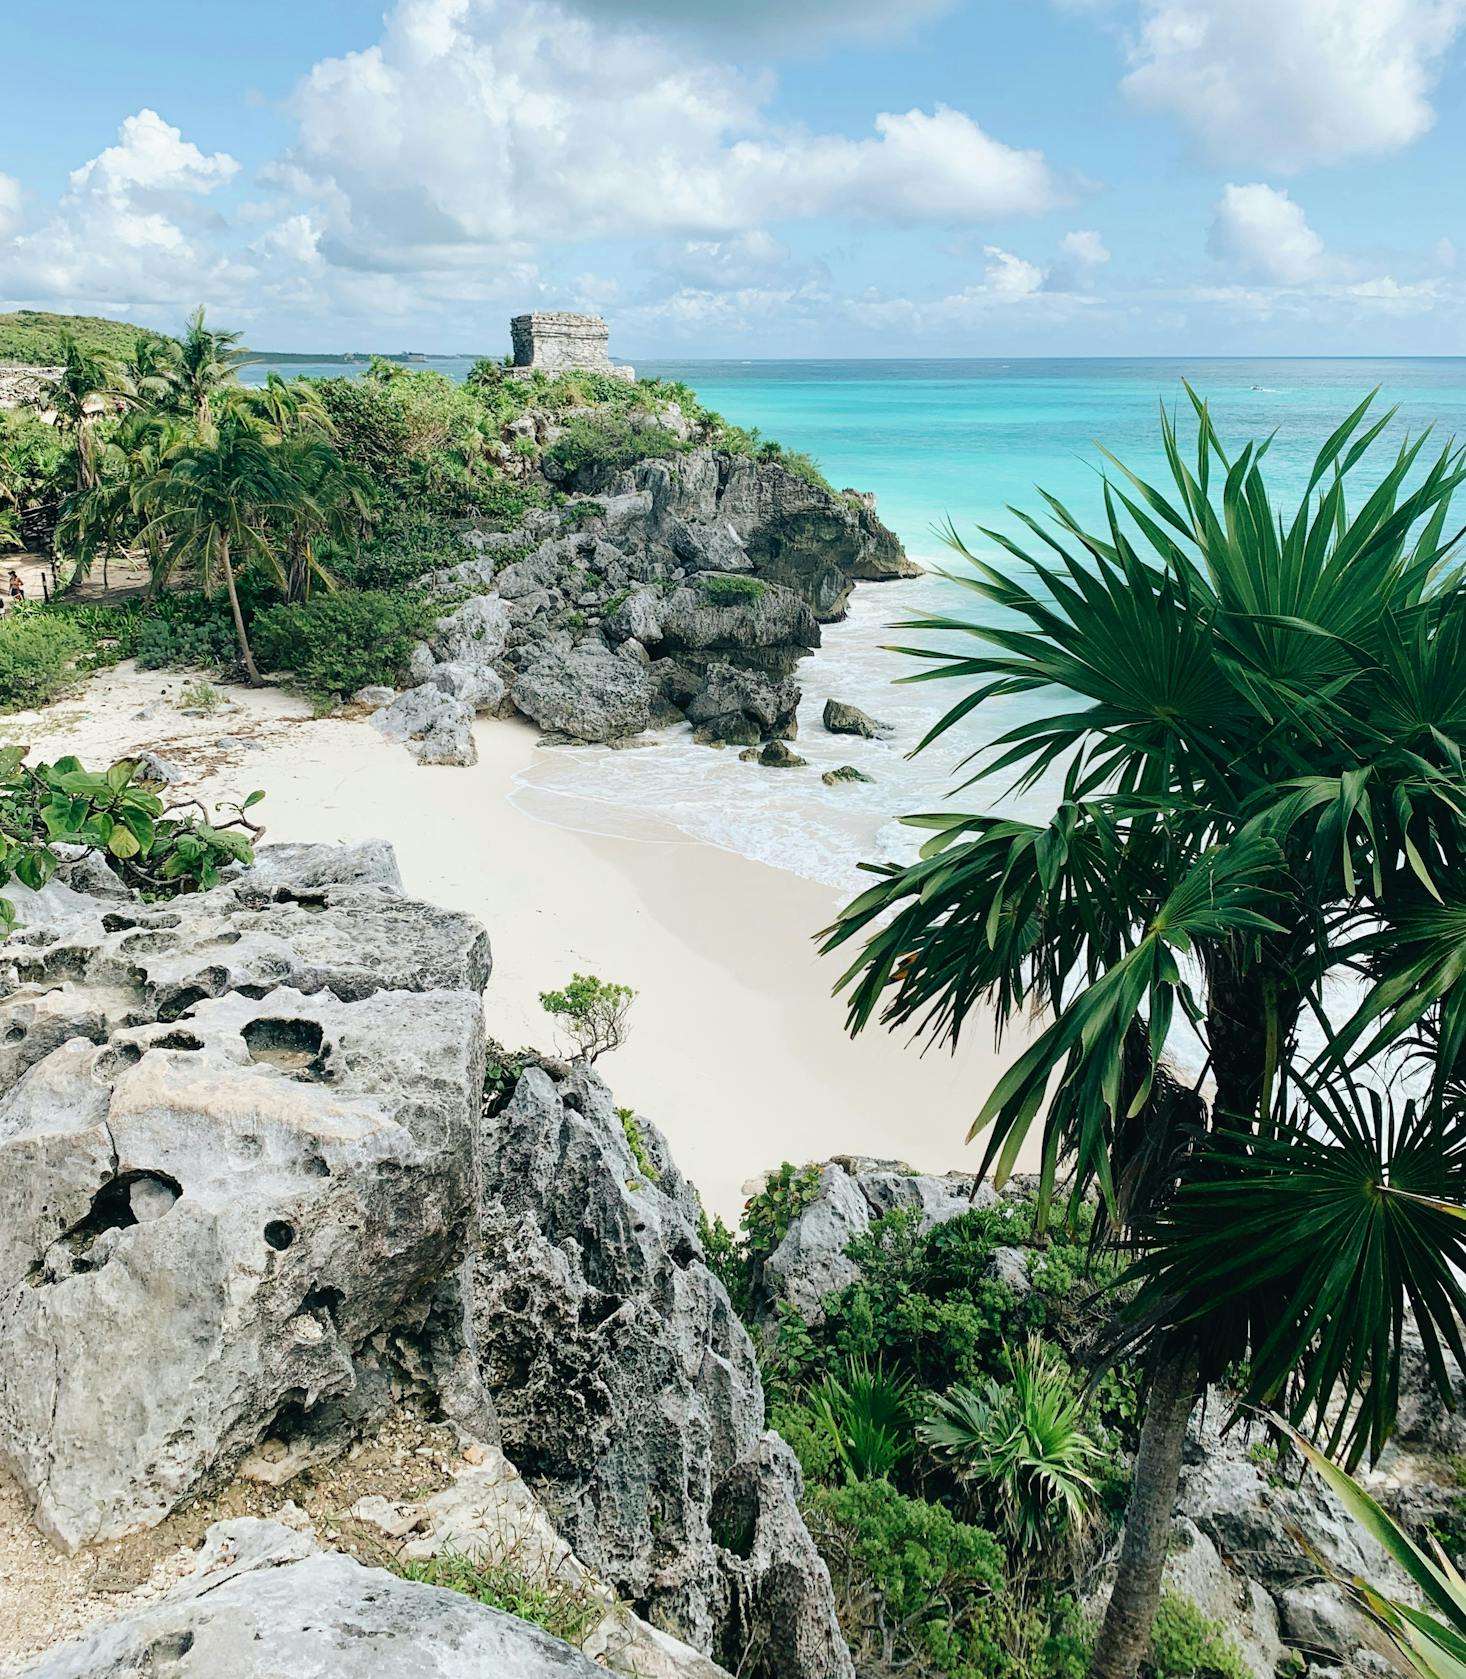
(555, 342)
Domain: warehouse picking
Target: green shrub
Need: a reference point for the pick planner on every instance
(730, 589)
(593, 446)
(37, 650)
(915, 1588)
(532, 1592)
(1184, 1644)
(111, 812)
(867, 1413)
(340, 642)
(768, 1214)
(594, 1013)
(637, 1144)
(185, 644)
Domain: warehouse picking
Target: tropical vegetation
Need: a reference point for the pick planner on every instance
(1253, 720)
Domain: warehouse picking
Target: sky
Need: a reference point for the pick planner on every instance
(748, 178)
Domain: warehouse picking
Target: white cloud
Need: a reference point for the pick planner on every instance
(745, 259)
(1294, 83)
(1007, 277)
(10, 205)
(481, 121)
(1082, 254)
(130, 228)
(1260, 230)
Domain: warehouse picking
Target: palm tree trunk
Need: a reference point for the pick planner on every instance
(1125, 1636)
(251, 670)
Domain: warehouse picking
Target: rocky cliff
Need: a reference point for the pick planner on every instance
(622, 610)
(254, 1206)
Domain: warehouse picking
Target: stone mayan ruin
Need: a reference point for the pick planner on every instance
(554, 342)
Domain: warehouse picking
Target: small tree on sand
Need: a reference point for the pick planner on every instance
(592, 1013)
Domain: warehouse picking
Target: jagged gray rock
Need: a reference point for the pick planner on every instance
(774, 755)
(435, 727)
(811, 1262)
(587, 693)
(263, 1601)
(738, 706)
(846, 772)
(626, 1388)
(696, 618)
(236, 1178)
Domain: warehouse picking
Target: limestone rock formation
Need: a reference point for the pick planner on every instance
(626, 1388)
(811, 1262)
(846, 772)
(587, 693)
(740, 706)
(236, 1177)
(263, 1601)
(707, 559)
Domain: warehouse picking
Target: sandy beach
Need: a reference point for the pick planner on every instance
(737, 1050)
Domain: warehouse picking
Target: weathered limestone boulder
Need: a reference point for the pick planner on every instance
(1196, 1569)
(806, 537)
(475, 634)
(489, 1516)
(842, 719)
(740, 706)
(626, 1388)
(587, 693)
(236, 1179)
(811, 1261)
(479, 686)
(779, 1621)
(638, 617)
(846, 772)
(697, 616)
(435, 727)
(263, 1601)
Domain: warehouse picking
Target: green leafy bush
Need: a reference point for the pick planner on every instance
(730, 589)
(37, 651)
(110, 811)
(593, 1012)
(768, 1214)
(866, 1412)
(1022, 1444)
(916, 1590)
(185, 644)
(340, 642)
(637, 1144)
(593, 446)
(1184, 1644)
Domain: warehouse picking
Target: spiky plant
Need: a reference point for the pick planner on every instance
(867, 1412)
(1259, 717)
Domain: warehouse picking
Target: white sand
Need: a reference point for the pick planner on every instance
(737, 1049)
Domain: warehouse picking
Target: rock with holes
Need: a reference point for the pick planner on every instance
(237, 1179)
(625, 1385)
(263, 1601)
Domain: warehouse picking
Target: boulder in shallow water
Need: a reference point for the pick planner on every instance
(774, 755)
(732, 701)
(842, 719)
(846, 772)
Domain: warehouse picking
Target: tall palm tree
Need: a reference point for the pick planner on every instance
(117, 511)
(335, 503)
(153, 373)
(1259, 719)
(218, 499)
(208, 363)
(78, 396)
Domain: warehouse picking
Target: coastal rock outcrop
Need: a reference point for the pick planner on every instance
(737, 706)
(237, 1177)
(840, 718)
(625, 1386)
(263, 1600)
(707, 559)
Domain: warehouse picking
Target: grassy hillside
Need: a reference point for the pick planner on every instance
(29, 335)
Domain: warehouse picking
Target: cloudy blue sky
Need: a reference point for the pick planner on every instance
(749, 177)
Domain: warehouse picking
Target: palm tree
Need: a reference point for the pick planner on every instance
(116, 510)
(153, 374)
(208, 362)
(78, 397)
(218, 499)
(1259, 721)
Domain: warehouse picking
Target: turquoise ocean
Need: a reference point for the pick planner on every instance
(939, 441)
